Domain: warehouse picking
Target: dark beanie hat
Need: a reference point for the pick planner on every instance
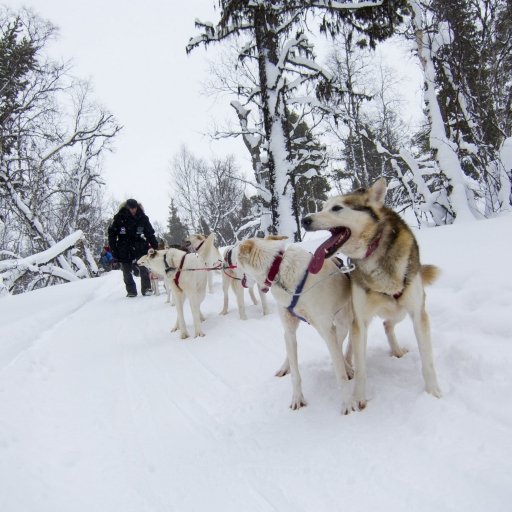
(132, 203)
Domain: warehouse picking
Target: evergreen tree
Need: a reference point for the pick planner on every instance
(17, 59)
(177, 231)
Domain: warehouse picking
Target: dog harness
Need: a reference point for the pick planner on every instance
(168, 268)
(296, 296)
(229, 261)
(273, 271)
(178, 272)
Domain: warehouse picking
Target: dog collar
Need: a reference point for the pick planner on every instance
(272, 273)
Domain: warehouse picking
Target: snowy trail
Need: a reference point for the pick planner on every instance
(102, 408)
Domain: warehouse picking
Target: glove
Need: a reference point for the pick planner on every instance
(115, 264)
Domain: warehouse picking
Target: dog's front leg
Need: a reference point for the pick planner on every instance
(290, 324)
(210, 281)
(180, 320)
(358, 337)
(239, 292)
(343, 321)
(225, 291)
(196, 315)
(358, 340)
(263, 298)
(336, 352)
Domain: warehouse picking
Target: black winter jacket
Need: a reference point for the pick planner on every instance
(130, 236)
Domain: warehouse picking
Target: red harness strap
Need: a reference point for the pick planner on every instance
(272, 273)
(178, 272)
(229, 261)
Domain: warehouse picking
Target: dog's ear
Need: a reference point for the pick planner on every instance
(377, 192)
(246, 247)
(276, 237)
(151, 253)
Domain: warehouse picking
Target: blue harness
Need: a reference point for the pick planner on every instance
(296, 297)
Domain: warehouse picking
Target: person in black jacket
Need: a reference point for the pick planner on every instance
(130, 236)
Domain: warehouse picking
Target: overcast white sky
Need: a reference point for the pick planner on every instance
(134, 54)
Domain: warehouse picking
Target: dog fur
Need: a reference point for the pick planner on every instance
(388, 279)
(324, 303)
(192, 284)
(192, 242)
(232, 278)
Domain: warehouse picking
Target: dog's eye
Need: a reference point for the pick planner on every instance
(336, 208)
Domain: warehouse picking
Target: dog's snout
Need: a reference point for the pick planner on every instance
(307, 221)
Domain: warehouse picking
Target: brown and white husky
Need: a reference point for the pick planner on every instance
(388, 279)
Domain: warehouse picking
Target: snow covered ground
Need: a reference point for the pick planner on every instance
(103, 409)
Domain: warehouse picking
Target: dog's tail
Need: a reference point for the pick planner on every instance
(429, 273)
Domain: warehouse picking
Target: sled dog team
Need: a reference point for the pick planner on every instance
(383, 277)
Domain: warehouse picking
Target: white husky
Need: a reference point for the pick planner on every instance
(185, 275)
(237, 280)
(322, 299)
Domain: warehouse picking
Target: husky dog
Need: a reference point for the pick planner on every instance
(193, 243)
(321, 299)
(185, 275)
(235, 278)
(388, 278)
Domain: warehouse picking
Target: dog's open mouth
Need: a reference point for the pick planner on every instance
(338, 237)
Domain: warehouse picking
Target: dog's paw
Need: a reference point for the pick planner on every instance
(350, 371)
(435, 391)
(243, 317)
(184, 335)
(223, 312)
(174, 329)
(284, 370)
(347, 408)
(298, 402)
(357, 404)
(200, 334)
(360, 404)
(399, 352)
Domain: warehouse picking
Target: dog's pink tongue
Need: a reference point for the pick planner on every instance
(317, 261)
